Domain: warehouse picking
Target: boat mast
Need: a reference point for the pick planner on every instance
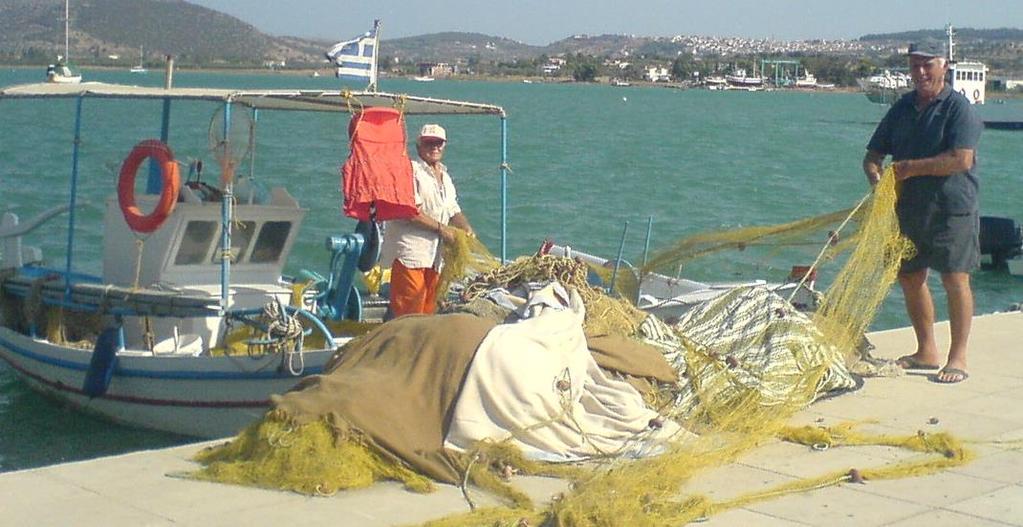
(950, 33)
(67, 31)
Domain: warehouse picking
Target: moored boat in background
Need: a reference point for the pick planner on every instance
(141, 66)
(63, 72)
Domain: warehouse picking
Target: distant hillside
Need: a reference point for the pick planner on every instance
(448, 47)
(99, 28)
(963, 35)
(32, 31)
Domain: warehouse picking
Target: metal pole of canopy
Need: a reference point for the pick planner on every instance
(154, 185)
(225, 215)
(649, 230)
(646, 251)
(74, 196)
(504, 187)
(252, 145)
(618, 261)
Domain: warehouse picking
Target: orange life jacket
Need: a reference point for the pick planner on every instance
(378, 172)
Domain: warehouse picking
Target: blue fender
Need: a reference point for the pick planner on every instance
(103, 362)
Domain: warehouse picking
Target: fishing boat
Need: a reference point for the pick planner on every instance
(739, 79)
(62, 72)
(422, 78)
(149, 341)
(808, 80)
(886, 87)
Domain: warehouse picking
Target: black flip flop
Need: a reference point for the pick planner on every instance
(908, 362)
(951, 371)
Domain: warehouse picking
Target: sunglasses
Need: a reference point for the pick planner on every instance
(432, 143)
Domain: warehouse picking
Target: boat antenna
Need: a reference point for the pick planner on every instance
(950, 33)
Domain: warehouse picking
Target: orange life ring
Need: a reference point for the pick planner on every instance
(162, 154)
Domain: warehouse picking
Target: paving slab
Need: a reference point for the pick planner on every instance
(135, 489)
(1004, 504)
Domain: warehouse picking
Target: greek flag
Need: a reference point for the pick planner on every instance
(356, 59)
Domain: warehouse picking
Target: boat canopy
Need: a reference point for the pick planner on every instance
(300, 100)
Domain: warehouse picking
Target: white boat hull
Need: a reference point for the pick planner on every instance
(669, 298)
(65, 79)
(208, 397)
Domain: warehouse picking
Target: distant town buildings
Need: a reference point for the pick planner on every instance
(437, 69)
(704, 45)
(657, 74)
(553, 66)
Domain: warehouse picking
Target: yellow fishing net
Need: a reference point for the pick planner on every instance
(729, 412)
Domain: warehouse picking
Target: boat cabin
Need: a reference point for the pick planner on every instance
(968, 78)
(184, 255)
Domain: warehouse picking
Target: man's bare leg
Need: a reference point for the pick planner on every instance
(920, 307)
(960, 319)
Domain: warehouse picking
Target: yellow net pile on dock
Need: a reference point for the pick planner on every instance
(613, 491)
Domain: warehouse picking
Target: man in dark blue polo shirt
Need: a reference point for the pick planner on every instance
(932, 135)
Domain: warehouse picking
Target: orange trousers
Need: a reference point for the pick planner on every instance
(413, 290)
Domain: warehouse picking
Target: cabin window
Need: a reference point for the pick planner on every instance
(959, 75)
(196, 242)
(270, 242)
(981, 75)
(241, 235)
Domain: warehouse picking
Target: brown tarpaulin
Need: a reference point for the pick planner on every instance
(397, 384)
(631, 357)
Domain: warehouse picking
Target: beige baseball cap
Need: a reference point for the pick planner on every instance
(435, 131)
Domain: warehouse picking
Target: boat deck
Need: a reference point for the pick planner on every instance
(134, 489)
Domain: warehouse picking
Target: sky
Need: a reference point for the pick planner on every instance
(541, 22)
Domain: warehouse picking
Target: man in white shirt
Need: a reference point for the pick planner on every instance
(413, 246)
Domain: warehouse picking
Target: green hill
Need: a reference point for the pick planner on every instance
(32, 31)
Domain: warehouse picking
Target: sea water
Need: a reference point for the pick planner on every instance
(586, 160)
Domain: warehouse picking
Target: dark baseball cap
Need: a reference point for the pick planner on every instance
(926, 49)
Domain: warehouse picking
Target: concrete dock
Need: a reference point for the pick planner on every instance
(986, 409)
